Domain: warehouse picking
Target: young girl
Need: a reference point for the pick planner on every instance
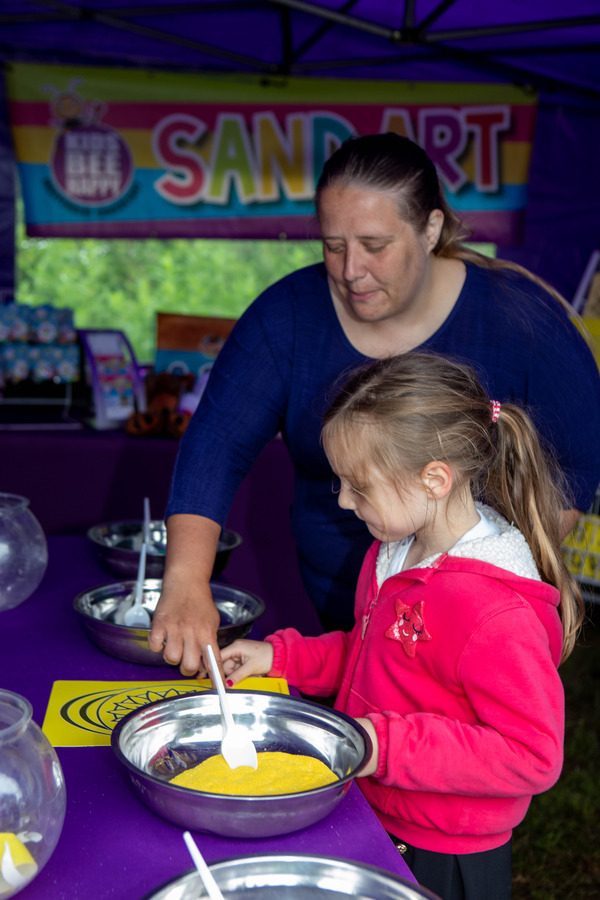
(464, 610)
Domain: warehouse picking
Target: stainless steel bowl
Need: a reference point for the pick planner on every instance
(101, 607)
(293, 877)
(117, 546)
(157, 741)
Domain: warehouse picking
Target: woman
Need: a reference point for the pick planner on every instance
(395, 277)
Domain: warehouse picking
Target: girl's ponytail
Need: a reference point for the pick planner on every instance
(527, 488)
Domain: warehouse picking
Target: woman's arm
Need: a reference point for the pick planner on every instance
(241, 409)
(186, 618)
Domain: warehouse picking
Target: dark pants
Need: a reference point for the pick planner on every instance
(463, 876)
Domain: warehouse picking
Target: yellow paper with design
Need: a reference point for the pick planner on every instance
(84, 713)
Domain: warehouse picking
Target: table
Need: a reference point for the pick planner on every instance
(111, 845)
(74, 480)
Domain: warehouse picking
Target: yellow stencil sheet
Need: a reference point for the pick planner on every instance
(84, 713)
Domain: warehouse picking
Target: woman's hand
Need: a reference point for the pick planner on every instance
(242, 659)
(371, 766)
(186, 618)
(185, 621)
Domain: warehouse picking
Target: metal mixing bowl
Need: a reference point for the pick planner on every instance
(117, 546)
(157, 741)
(293, 877)
(101, 609)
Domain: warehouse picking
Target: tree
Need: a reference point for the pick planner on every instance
(124, 283)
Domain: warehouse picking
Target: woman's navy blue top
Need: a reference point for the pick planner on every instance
(279, 370)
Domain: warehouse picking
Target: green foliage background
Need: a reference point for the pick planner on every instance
(124, 283)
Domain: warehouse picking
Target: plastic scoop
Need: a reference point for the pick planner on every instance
(147, 539)
(236, 747)
(17, 866)
(212, 888)
(136, 616)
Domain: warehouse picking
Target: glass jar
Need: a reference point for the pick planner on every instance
(23, 551)
(32, 795)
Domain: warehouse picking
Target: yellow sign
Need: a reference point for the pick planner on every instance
(84, 713)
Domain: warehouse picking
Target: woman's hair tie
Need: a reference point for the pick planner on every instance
(495, 404)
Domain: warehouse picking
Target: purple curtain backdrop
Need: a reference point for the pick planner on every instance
(562, 225)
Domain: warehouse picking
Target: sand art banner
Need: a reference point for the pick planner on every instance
(130, 153)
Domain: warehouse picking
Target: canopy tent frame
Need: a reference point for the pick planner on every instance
(549, 46)
(411, 36)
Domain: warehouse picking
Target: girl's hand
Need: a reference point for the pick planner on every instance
(371, 766)
(242, 659)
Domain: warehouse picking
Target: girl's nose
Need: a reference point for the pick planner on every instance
(346, 498)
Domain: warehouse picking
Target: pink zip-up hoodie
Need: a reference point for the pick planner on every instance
(455, 663)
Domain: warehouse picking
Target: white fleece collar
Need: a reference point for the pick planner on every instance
(507, 550)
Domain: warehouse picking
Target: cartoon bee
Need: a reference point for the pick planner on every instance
(69, 109)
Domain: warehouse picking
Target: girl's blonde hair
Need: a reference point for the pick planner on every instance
(399, 414)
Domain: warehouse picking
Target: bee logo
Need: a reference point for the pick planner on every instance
(91, 164)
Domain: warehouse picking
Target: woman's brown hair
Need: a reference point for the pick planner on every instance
(398, 166)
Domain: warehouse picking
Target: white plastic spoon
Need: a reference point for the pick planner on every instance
(236, 746)
(136, 616)
(147, 535)
(9, 872)
(212, 888)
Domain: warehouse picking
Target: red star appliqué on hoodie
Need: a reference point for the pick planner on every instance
(409, 627)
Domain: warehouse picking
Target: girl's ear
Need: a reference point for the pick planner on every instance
(437, 479)
(434, 226)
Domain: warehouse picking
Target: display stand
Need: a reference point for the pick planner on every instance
(113, 373)
(50, 409)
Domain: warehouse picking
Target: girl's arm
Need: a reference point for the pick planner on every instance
(515, 745)
(373, 763)
(314, 665)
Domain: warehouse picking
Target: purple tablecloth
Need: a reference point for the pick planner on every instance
(111, 845)
(74, 480)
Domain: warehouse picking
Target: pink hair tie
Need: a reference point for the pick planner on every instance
(495, 409)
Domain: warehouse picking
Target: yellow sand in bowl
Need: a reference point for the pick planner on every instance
(277, 773)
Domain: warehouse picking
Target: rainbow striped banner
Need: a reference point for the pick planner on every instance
(130, 153)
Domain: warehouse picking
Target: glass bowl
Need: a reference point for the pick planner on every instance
(23, 551)
(32, 795)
